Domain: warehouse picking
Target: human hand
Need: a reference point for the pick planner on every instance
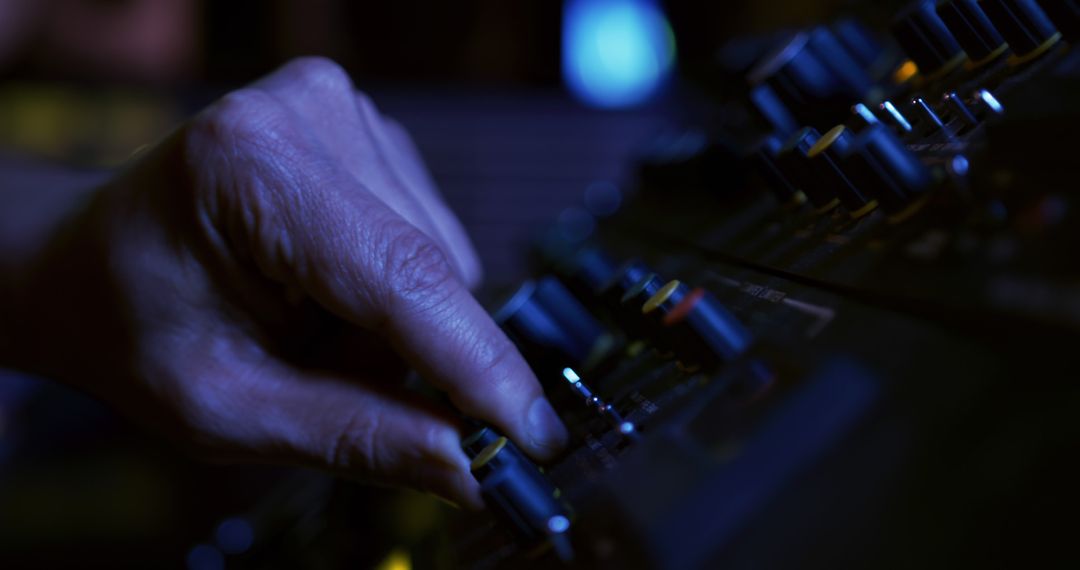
(258, 284)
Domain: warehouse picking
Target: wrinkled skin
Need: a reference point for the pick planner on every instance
(258, 284)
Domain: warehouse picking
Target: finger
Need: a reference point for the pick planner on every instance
(367, 431)
(321, 95)
(404, 159)
(312, 226)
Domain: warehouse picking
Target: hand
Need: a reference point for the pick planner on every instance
(258, 283)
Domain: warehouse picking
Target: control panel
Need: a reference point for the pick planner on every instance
(836, 328)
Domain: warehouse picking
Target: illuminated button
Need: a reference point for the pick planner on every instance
(905, 72)
(986, 105)
(895, 118)
(862, 117)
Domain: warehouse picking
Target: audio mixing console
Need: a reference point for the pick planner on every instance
(837, 329)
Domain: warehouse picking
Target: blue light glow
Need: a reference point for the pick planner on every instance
(615, 53)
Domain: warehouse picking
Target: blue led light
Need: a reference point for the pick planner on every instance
(615, 53)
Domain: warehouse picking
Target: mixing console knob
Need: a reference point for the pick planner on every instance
(827, 156)
(632, 283)
(698, 327)
(927, 40)
(516, 491)
(895, 176)
(794, 161)
(810, 75)
(783, 187)
(551, 327)
(586, 271)
(972, 30)
(864, 47)
(1065, 14)
(1024, 25)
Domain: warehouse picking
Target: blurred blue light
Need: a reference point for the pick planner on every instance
(615, 53)
(234, 536)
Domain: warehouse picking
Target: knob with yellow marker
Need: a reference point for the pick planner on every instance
(517, 492)
(697, 326)
(828, 158)
(1026, 27)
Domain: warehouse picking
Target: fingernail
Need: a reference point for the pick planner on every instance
(545, 428)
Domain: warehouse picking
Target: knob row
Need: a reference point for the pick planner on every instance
(553, 329)
(940, 36)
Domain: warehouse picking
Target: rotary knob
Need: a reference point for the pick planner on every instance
(696, 325)
(784, 188)
(517, 492)
(1025, 26)
(973, 31)
(632, 284)
(868, 51)
(827, 157)
(1065, 14)
(552, 328)
(927, 40)
(793, 159)
(809, 76)
(896, 178)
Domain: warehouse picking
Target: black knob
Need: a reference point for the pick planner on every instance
(805, 80)
(973, 30)
(850, 75)
(890, 172)
(784, 188)
(696, 325)
(623, 295)
(927, 40)
(1065, 14)
(516, 491)
(827, 157)
(1024, 25)
(586, 271)
(861, 43)
(795, 163)
(551, 327)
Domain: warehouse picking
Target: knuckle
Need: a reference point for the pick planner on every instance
(322, 72)
(358, 444)
(246, 115)
(416, 268)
